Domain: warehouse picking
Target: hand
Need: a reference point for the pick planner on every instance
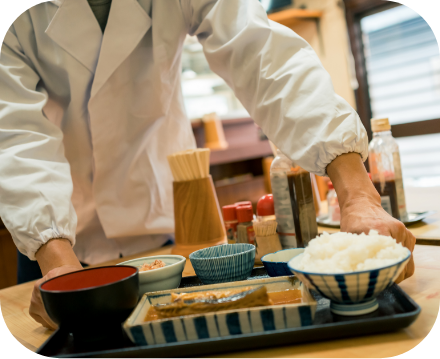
(56, 257)
(360, 205)
(359, 216)
(36, 309)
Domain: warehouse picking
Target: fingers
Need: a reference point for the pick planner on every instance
(407, 272)
(37, 310)
(410, 268)
(40, 320)
(410, 240)
(401, 277)
(404, 236)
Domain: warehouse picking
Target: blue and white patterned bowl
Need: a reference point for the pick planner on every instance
(276, 263)
(224, 263)
(351, 293)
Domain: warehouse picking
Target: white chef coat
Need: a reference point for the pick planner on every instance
(87, 119)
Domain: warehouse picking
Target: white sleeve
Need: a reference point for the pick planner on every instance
(35, 181)
(279, 79)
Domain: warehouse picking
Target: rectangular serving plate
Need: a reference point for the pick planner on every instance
(222, 323)
(396, 311)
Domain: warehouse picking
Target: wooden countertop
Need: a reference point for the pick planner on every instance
(423, 287)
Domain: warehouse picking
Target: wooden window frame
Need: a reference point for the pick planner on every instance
(355, 10)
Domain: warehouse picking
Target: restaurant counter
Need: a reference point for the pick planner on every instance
(423, 287)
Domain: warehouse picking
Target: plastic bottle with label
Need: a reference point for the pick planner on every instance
(281, 166)
(385, 168)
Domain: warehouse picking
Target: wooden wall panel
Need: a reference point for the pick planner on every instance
(8, 260)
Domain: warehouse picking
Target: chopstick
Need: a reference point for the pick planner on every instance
(189, 164)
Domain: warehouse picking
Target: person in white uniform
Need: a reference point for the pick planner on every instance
(88, 117)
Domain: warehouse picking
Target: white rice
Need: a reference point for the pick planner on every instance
(348, 252)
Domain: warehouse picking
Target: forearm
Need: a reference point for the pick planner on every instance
(56, 253)
(351, 181)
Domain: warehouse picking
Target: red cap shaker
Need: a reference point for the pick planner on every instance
(265, 206)
(245, 214)
(229, 212)
(243, 203)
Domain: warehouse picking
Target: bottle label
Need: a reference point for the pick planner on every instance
(231, 232)
(386, 204)
(283, 210)
(251, 234)
(399, 187)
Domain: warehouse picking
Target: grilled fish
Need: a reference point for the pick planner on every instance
(212, 301)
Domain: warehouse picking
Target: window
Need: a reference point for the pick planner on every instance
(403, 66)
(398, 70)
(203, 91)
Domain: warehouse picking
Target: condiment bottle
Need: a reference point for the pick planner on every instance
(245, 228)
(303, 207)
(334, 212)
(385, 168)
(243, 203)
(281, 165)
(231, 222)
(265, 209)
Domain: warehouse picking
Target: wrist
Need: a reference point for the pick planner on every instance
(360, 199)
(55, 253)
(351, 182)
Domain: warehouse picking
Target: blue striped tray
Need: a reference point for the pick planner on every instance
(220, 324)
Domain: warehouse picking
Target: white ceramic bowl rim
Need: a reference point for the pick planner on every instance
(348, 273)
(225, 256)
(281, 250)
(126, 263)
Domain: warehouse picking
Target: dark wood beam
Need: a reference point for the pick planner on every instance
(416, 128)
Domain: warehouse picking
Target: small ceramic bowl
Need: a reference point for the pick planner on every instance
(165, 278)
(223, 263)
(351, 293)
(276, 263)
(92, 303)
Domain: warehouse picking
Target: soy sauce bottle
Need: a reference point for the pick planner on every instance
(303, 206)
(385, 168)
(293, 202)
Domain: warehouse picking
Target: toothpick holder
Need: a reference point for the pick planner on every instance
(197, 216)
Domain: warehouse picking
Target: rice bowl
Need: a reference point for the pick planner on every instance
(354, 280)
(347, 252)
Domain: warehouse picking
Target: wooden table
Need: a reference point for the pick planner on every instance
(423, 287)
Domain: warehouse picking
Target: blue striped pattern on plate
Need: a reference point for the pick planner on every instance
(224, 263)
(211, 325)
(347, 289)
(224, 323)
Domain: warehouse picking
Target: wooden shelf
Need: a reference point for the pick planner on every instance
(8, 260)
(243, 138)
(251, 190)
(290, 16)
(241, 153)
